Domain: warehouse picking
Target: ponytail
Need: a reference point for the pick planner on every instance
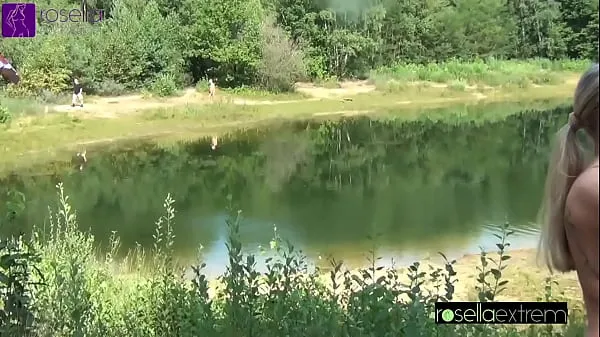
(566, 164)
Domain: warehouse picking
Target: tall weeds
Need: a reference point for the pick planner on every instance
(81, 294)
(489, 72)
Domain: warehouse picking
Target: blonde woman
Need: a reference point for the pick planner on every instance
(569, 213)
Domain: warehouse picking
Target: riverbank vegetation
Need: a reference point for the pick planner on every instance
(409, 84)
(162, 46)
(490, 73)
(57, 285)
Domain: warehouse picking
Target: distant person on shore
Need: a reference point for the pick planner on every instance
(77, 94)
(214, 143)
(211, 89)
(569, 213)
(82, 159)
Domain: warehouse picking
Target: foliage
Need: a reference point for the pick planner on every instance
(5, 115)
(164, 85)
(282, 63)
(489, 290)
(222, 39)
(490, 72)
(89, 296)
(243, 42)
(137, 46)
(17, 268)
(46, 68)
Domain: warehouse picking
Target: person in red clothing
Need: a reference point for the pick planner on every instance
(3, 59)
(7, 71)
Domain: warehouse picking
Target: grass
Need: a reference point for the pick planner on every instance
(493, 73)
(85, 294)
(250, 93)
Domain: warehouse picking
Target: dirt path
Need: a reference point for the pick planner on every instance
(113, 107)
(347, 88)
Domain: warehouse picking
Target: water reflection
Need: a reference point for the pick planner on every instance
(426, 186)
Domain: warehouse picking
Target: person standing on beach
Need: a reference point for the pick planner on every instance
(211, 89)
(214, 142)
(77, 94)
(569, 213)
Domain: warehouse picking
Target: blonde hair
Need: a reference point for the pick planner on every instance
(567, 162)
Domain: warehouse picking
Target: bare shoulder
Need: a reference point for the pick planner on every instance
(582, 200)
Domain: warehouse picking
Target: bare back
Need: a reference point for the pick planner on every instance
(583, 236)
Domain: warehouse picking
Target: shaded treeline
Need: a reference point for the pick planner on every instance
(161, 44)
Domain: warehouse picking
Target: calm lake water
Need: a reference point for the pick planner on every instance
(423, 186)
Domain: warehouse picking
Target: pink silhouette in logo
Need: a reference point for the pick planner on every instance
(18, 20)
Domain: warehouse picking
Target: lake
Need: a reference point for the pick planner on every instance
(420, 186)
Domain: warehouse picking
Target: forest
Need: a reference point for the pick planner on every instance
(164, 45)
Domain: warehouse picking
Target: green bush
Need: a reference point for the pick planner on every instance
(282, 62)
(83, 295)
(164, 85)
(5, 115)
(17, 267)
(44, 67)
(137, 45)
(221, 39)
(202, 86)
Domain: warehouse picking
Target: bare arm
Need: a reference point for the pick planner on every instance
(582, 204)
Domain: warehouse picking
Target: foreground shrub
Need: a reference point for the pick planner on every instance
(17, 265)
(84, 295)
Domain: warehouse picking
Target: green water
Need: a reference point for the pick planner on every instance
(424, 186)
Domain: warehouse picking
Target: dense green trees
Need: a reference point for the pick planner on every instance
(274, 42)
